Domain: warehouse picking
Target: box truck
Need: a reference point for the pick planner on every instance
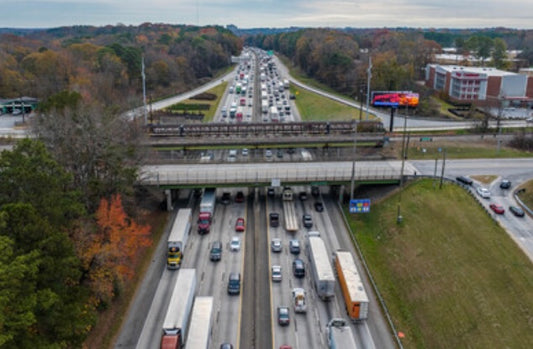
(178, 238)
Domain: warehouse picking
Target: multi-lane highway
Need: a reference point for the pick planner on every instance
(250, 319)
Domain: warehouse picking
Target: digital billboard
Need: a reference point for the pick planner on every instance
(395, 99)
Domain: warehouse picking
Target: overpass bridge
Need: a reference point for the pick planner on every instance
(265, 174)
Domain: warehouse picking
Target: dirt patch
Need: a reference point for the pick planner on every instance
(485, 179)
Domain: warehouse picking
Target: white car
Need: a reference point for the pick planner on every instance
(483, 192)
(235, 244)
(276, 245)
(276, 273)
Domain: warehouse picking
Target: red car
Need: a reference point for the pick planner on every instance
(239, 225)
(497, 208)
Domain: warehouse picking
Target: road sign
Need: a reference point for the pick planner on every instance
(360, 206)
(276, 182)
(426, 139)
(319, 183)
(270, 52)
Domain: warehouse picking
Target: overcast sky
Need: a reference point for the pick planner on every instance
(271, 13)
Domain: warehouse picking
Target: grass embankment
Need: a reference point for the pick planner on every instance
(213, 105)
(459, 150)
(451, 277)
(527, 194)
(313, 107)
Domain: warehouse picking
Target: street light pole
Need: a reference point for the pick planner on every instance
(352, 183)
(369, 76)
(399, 218)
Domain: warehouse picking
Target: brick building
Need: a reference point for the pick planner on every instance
(484, 85)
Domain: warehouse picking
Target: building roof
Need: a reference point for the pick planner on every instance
(489, 71)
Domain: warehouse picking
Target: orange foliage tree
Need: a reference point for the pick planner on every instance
(111, 255)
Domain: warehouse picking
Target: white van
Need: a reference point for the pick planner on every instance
(232, 155)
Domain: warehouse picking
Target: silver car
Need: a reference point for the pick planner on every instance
(275, 245)
(276, 273)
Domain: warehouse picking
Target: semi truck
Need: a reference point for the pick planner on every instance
(320, 267)
(299, 300)
(207, 210)
(200, 328)
(178, 238)
(353, 290)
(179, 310)
(289, 212)
(340, 335)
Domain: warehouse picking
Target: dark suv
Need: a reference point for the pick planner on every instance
(274, 219)
(298, 268)
(234, 283)
(216, 251)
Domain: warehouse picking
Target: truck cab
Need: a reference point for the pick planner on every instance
(204, 222)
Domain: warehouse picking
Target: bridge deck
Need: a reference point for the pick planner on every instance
(263, 173)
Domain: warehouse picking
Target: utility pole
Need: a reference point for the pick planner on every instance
(369, 76)
(399, 218)
(361, 101)
(443, 164)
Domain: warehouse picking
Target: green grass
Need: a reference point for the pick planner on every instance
(459, 150)
(210, 113)
(313, 107)
(527, 195)
(455, 280)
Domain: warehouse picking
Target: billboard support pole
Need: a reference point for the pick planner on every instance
(391, 118)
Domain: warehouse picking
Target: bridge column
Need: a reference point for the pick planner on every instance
(168, 194)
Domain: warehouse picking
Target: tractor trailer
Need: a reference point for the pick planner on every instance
(179, 310)
(353, 290)
(178, 238)
(340, 335)
(200, 329)
(320, 266)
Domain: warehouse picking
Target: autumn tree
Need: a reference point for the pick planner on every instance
(109, 254)
(499, 54)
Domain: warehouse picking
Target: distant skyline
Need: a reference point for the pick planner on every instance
(270, 13)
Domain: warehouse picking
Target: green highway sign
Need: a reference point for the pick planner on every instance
(319, 183)
(426, 139)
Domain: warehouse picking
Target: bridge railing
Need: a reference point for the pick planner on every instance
(263, 175)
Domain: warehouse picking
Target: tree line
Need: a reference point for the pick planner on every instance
(339, 58)
(103, 64)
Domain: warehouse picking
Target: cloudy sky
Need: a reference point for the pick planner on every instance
(271, 13)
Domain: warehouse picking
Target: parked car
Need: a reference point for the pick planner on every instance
(276, 273)
(226, 198)
(517, 211)
(464, 180)
(505, 184)
(235, 244)
(275, 245)
(483, 192)
(279, 153)
(268, 154)
(307, 220)
(283, 316)
(244, 152)
(497, 208)
(239, 225)
(239, 197)
(319, 207)
(294, 246)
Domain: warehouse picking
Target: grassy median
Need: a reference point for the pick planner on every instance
(451, 276)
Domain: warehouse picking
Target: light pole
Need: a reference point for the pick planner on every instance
(369, 76)
(399, 217)
(352, 183)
